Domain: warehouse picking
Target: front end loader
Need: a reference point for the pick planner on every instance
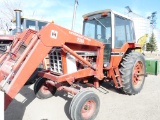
(75, 59)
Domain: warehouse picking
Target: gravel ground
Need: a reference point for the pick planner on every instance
(114, 105)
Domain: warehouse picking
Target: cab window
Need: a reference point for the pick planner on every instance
(31, 24)
(123, 31)
(41, 24)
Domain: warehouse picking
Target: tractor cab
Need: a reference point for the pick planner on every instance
(22, 23)
(109, 27)
(34, 24)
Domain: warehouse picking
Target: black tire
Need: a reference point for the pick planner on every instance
(132, 64)
(86, 101)
(42, 93)
(75, 98)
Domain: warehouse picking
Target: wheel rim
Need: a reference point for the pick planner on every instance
(46, 88)
(137, 70)
(88, 109)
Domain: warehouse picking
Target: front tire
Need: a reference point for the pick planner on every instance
(33, 77)
(43, 90)
(85, 106)
(132, 73)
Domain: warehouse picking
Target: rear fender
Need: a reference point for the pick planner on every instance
(117, 54)
(134, 45)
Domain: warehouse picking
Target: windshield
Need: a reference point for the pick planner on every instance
(98, 28)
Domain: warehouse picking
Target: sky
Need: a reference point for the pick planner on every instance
(61, 11)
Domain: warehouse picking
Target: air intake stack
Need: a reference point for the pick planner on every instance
(18, 20)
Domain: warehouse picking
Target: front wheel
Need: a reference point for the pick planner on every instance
(43, 90)
(85, 106)
(133, 73)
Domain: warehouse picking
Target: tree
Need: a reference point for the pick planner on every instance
(151, 46)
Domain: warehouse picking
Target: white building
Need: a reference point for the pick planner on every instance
(142, 26)
(157, 36)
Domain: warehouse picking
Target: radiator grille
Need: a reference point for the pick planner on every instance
(56, 62)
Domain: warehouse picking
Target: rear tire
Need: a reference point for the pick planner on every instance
(85, 106)
(43, 90)
(132, 64)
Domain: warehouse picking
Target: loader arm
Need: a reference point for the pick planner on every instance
(16, 69)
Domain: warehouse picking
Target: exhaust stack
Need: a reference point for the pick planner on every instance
(18, 20)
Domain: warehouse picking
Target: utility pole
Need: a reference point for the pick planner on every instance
(129, 9)
(152, 41)
(74, 14)
(152, 19)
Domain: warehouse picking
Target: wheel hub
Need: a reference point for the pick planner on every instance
(88, 109)
(138, 69)
(46, 88)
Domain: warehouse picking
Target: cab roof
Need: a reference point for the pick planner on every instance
(103, 11)
(33, 19)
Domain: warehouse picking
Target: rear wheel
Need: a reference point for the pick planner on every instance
(85, 106)
(43, 90)
(132, 73)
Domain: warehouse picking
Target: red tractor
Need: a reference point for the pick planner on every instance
(105, 52)
(22, 23)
